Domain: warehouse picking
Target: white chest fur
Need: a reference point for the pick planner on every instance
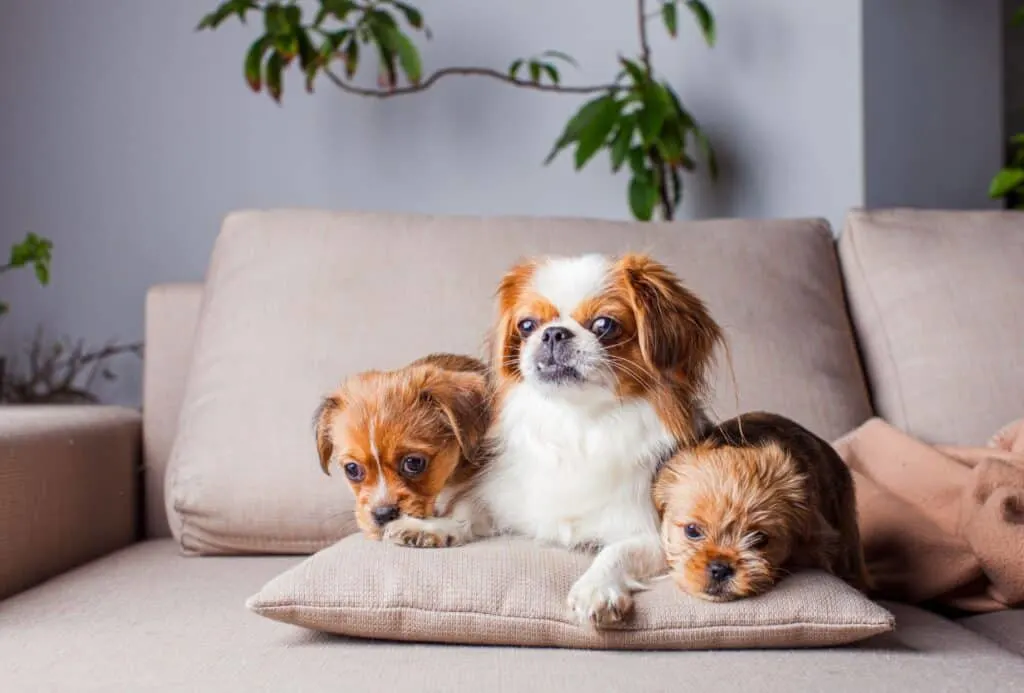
(575, 472)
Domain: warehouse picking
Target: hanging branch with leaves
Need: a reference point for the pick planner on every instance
(637, 118)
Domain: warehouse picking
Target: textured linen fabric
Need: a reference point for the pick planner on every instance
(172, 311)
(68, 483)
(295, 300)
(512, 592)
(1003, 627)
(937, 299)
(146, 619)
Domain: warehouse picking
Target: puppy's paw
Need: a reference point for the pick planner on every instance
(411, 531)
(600, 603)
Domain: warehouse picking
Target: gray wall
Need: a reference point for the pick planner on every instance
(126, 136)
(933, 114)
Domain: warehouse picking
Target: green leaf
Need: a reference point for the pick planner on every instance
(704, 18)
(275, 65)
(254, 61)
(293, 16)
(670, 144)
(36, 251)
(637, 161)
(351, 57)
(638, 73)
(560, 56)
(677, 187)
(1018, 17)
(413, 16)
(408, 57)
(653, 113)
(225, 10)
(643, 195)
(534, 71)
(338, 8)
(275, 20)
(595, 134)
(551, 72)
(4, 308)
(620, 143)
(671, 17)
(577, 123)
(1005, 182)
(514, 67)
(1017, 139)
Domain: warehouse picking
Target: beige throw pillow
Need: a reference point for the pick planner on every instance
(512, 592)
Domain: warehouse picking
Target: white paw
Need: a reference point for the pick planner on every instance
(411, 531)
(599, 603)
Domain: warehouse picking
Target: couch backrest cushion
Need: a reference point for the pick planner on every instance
(938, 302)
(294, 300)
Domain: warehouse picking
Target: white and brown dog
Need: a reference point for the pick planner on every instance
(600, 369)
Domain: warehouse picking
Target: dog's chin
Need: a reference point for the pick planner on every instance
(558, 375)
(719, 593)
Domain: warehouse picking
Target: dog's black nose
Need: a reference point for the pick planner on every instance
(720, 571)
(553, 335)
(385, 514)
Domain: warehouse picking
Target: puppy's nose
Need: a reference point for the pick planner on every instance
(385, 513)
(720, 571)
(553, 335)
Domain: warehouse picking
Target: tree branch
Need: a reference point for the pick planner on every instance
(466, 71)
(645, 46)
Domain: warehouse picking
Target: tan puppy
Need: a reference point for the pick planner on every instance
(760, 495)
(406, 441)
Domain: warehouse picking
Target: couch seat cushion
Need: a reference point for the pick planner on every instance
(295, 300)
(937, 299)
(148, 619)
(1003, 627)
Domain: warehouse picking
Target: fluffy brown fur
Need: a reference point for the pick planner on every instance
(380, 426)
(758, 497)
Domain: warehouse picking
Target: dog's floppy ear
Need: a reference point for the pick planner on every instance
(666, 479)
(462, 399)
(322, 425)
(505, 340)
(676, 331)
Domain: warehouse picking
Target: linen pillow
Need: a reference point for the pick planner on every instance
(296, 299)
(512, 592)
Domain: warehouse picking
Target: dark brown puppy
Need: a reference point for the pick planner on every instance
(758, 496)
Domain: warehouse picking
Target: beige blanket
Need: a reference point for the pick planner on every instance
(943, 525)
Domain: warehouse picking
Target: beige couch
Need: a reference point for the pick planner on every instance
(97, 596)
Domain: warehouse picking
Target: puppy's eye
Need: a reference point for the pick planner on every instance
(758, 540)
(604, 328)
(526, 326)
(693, 532)
(355, 472)
(413, 465)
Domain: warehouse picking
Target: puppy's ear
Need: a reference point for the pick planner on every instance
(676, 331)
(462, 399)
(322, 418)
(505, 339)
(667, 478)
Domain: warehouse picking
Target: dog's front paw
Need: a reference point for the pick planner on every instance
(600, 603)
(419, 533)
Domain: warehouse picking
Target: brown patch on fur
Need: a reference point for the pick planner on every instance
(436, 408)
(758, 475)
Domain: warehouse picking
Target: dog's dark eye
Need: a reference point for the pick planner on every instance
(604, 328)
(526, 326)
(758, 540)
(355, 472)
(413, 465)
(693, 532)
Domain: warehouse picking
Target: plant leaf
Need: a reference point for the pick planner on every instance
(534, 71)
(274, 20)
(1018, 17)
(413, 16)
(408, 57)
(1005, 182)
(514, 67)
(577, 123)
(642, 197)
(704, 18)
(637, 161)
(254, 62)
(653, 113)
(670, 16)
(677, 187)
(621, 142)
(275, 65)
(709, 152)
(351, 57)
(560, 56)
(551, 72)
(594, 136)
(4, 308)
(635, 71)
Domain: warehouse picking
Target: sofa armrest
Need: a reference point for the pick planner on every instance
(69, 478)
